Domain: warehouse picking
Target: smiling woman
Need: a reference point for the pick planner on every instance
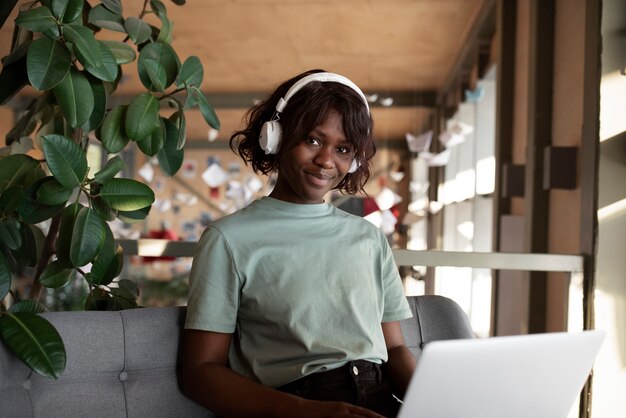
(293, 303)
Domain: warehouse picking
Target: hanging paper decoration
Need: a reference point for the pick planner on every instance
(436, 160)
(419, 143)
(214, 176)
(449, 139)
(387, 198)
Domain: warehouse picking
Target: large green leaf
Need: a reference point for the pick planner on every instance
(87, 237)
(170, 157)
(154, 72)
(191, 73)
(27, 306)
(123, 53)
(127, 194)
(15, 169)
(153, 143)
(138, 30)
(158, 7)
(110, 170)
(85, 44)
(10, 233)
(112, 133)
(125, 295)
(98, 300)
(167, 30)
(105, 211)
(104, 18)
(31, 210)
(181, 122)
(109, 262)
(53, 193)
(66, 231)
(75, 97)
(99, 104)
(206, 109)
(35, 341)
(133, 216)
(167, 26)
(142, 117)
(48, 63)
(107, 69)
(55, 275)
(5, 276)
(113, 5)
(157, 60)
(65, 10)
(39, 19)
(66, 160)
(28, 253)
(9, 199)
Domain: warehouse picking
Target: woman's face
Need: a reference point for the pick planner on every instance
(315, 164)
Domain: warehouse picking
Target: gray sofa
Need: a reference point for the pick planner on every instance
(124, 364)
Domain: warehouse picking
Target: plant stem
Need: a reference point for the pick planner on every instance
(46, 253)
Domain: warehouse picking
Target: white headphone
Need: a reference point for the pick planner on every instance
(271, 132)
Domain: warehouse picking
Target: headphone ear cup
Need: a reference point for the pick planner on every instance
(269, 139)
(354, 166)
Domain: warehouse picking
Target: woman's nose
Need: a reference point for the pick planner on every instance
(324, 158)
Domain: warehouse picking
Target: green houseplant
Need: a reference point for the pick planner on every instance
(54, 212)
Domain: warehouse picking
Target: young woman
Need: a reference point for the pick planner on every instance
(294, 304)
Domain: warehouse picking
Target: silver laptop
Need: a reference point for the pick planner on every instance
(538, 375)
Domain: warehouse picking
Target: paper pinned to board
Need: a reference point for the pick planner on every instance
(419, 143)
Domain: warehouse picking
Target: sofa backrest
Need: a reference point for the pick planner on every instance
(119, 364)
(124, 364)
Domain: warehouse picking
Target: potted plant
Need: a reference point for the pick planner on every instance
(54, 212)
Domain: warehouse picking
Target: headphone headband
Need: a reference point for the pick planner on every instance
(271, 131)
(322, 77)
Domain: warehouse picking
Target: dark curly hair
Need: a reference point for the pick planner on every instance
(307, 109)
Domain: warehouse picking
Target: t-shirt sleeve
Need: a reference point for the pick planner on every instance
(396, 304)
(214, 286)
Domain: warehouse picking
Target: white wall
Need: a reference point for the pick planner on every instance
(610, 368)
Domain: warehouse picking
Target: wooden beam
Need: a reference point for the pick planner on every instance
(245, 100)
(536, 199)
(589, 167)
(506, 23)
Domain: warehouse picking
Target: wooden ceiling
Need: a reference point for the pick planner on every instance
(404, 49)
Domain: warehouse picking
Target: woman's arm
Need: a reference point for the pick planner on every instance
(207, 380)
(401, 363)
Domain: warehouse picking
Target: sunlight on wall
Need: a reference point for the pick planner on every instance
(612, 94)
(612, 209)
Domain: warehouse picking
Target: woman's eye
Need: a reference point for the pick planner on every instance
(312, 141)
(344, 150)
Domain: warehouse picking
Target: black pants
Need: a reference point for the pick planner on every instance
(359, 382)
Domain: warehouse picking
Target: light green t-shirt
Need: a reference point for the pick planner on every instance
(303, 288)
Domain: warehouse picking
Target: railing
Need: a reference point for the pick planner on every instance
(498, 261)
